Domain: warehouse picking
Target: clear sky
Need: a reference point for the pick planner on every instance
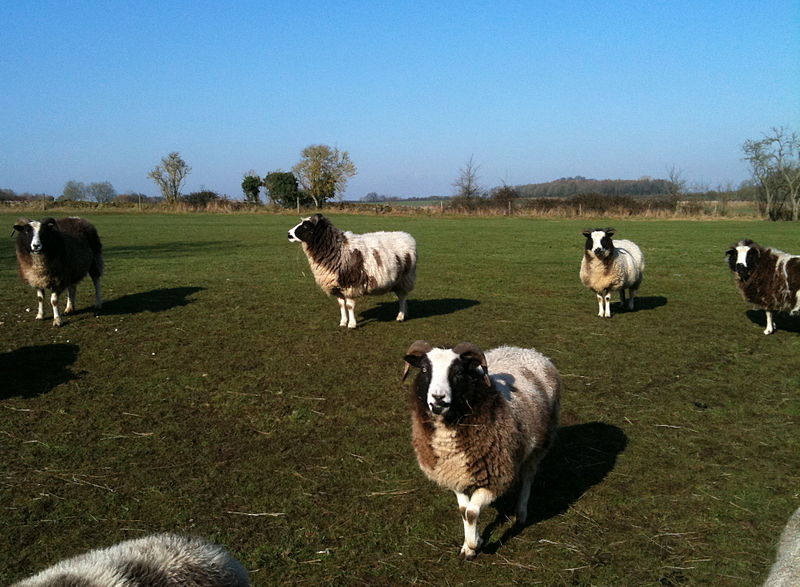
(533, 90)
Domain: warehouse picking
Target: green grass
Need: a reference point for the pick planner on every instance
(216, 383)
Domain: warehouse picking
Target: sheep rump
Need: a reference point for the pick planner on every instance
(167, 560)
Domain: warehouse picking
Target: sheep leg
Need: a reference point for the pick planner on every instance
(401, 315)
(54, 304)
(525, 493)
(770, 324)
(98, 296)
(342, 312)
(607, 304)
(600, 306)
(40, 299)
(350, 304)
(630, 300)
(70, 307)
(470, 508)
(622, 296)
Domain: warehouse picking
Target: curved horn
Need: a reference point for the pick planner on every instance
(470, 351)
(418, 348)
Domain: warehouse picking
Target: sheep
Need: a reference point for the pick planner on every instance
(347, 265)
(168, 560)
(481, 423)
(610, 265)
(767, 277)
(785, 571)
(56, 255)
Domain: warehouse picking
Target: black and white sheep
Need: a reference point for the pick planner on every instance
(56, 255)
(785, 571)
(481, 423)
(767, 277)
(610, 265)
(348, 265)
(168, 560)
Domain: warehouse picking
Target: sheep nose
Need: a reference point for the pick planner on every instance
(36, 247)
(598, 250)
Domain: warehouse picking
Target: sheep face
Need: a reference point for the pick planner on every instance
(743, 258)
(304, 231)
(33, 236)
(598, 241)
(446, 377)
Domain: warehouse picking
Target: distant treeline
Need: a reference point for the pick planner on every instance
(571, 186)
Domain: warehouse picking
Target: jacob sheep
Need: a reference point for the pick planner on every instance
(610, 265)
(481, 423)
(56, 255)
(167, 560)
(767, 277)
(785, 571)
(348, 266)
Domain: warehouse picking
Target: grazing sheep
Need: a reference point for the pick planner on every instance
(610, 265)
(166, 560)
(481, 423)
(348, 266)
(767, 277)
(57, 255)
(786, 570)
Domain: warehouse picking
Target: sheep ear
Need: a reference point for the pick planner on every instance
(610, 231)
(587, 233)
(21, 223)
(414, 354)
(316, 218)
(473, 357)
(51, 222)
(730, 252)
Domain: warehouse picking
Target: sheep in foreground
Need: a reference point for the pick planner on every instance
(610, 265)
(348, 266)
(481, 423)
(57, 255)
(785, 571)
(167, 560)
(767, 277)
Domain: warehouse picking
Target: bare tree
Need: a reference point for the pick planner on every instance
(775, 166)
(102, 192)
(170, 175)
(466, 183)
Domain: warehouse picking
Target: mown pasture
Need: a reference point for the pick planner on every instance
(215, 395)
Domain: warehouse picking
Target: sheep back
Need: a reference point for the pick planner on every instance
(623, 270)
(488, 447)
(166, 560)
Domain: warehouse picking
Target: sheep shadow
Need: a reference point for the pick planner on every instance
(783, 321)
(31, 371)
(640, 304)
(155, 300)
(387, 311)
(582, 456)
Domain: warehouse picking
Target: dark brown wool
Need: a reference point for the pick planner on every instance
(766, 285)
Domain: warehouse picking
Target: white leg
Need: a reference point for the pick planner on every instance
(630, 299)
(600, 305)
(770, 324)
(350, 304)
(54, 304)
(472, 540)
(98, 296)
(607, 299)
(40, 299)
(525, 493)
(401, 315)
(70, 307)
(342, 312)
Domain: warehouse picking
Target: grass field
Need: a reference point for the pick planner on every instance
(215, 395)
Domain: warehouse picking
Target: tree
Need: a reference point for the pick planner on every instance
(468, 191)
(775, 166)
(504, 196)
(170, 175)
(282, 188)
(102, 192)
(74, 190)
(323, 172)
(250, 186)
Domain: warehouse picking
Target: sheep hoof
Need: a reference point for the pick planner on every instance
(57, 322)
(351, 326)
(468, 553)
(400, 318)
(768, 331)
(40, 316)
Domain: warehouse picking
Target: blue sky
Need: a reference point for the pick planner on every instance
(534, 91)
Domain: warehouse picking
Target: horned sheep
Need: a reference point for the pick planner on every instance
(348, 266)
(610, 265)
(785, 572)
(169, 560)
(56, 255)
(481, 423)
(767, 277)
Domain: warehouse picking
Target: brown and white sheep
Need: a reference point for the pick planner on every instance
(767, 277)
(481, 423)
(56, 255)
(610, 265)
(348, 265)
